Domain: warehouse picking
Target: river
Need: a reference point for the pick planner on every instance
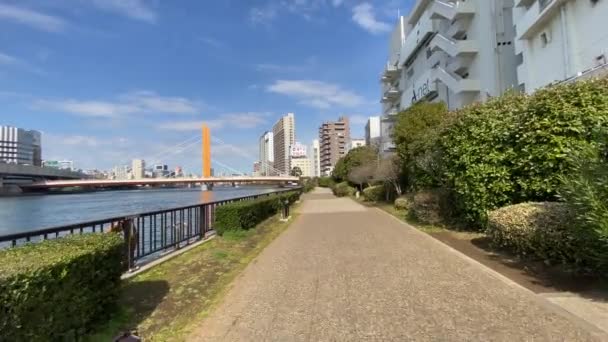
(33, 212)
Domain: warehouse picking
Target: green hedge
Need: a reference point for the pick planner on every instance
(374, 193)
(247, 214)
(431, 206)
(544, 231)
(58, 289)
(326, 182)
(343, 189)
(515, 148)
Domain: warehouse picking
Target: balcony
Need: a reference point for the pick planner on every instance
(453, 47)
(523, 3)
(391, 95)
(391, 111)
(537, 17)
(390, 73)
(454, 82)
(451, 11)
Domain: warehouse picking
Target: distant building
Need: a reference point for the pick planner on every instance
(266, 147)
(20, 146)
(121, 172)
(372, 131)
(315, 158)
(257, 169)
(334, 137)
(160, 170)
(304, 164)
(59, 164)
(178, 172)
(138, 168)
(298, 150)
(559, 40)
(284, 136)
(354, 143)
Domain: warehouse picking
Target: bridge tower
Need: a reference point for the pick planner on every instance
(206, 151)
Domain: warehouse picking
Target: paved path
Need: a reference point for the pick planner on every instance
(343, 272)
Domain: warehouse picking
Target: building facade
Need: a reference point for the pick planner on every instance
(453, 51)
(333, 137)
(304, 164)
(559, 40)
(372, 131)
(59, 164)
(298, 150)
(284, 136)
(354, 143)
(266, 155)
(315, 157)
(20, 146)
(138, 168)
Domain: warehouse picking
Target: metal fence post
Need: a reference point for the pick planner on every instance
(130, 236)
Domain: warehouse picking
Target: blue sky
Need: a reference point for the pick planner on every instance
(107, 81)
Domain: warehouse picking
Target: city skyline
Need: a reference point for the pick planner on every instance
(127, 96)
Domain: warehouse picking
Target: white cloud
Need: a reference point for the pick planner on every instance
(316, 93)
(211, 41)
(263, 15)
(32, 18)
(130, 103)
(11, 61)
(232, 120)
(365, 16)
(135, 9)
(358, 119)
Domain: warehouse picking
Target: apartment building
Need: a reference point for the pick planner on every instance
(20, 146)
(457, 52)
(284, 136)
(334, 137)
(266, 155)
(372, 131)
(138, 168)
(354, 143)
(315, 157)
(559, 40)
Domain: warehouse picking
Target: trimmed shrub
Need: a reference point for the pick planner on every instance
(402, 203)
(374, 193)
(543, 231)
(516, 148)
(326, 182)
(248, 214)
(343, 189)
(431, 206)
(57, 290)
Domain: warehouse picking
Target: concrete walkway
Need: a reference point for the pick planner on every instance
(343, 272)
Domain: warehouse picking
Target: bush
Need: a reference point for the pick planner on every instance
(431, 206)
(402, 203)
(374, 193)
(247, 214)
(543, 231)
(59, 289)
(516, 148)
(343, 189)
(326, 182)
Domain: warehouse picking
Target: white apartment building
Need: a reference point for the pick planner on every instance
(284, 136)
(315, 158)
(266, 145)
(372, 131)
(457, 52)
(138, 168)
(559, 40)
(354, 143)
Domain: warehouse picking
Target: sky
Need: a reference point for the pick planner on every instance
(107, 81)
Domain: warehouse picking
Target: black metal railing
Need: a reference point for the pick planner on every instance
(148, 234)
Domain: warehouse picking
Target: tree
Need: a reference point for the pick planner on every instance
(356, 157)
(416, 136)
(389, 172)
(296, 171)
(362, 174)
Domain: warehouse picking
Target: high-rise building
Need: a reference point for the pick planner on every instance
(333, 137)
(121, 172)
(315, 157)
(284, 136)
(257, 169)
(266, 154)
(138, 168)
(20, 146)
(559, 40)
(354, 143)
(372, 131)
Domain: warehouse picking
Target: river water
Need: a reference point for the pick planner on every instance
(33, 212)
